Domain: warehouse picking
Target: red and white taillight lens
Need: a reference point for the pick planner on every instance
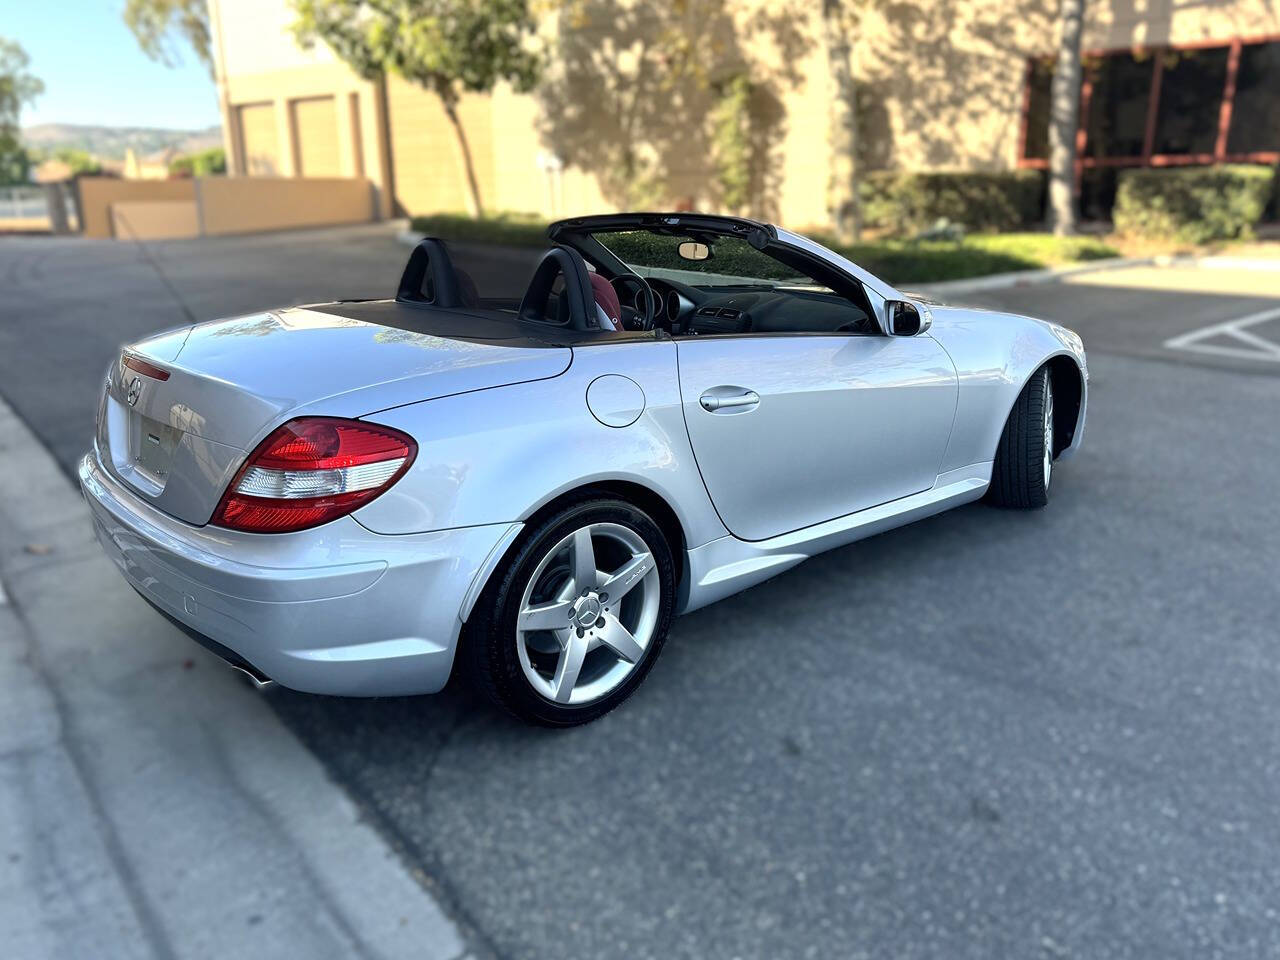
(313, 470)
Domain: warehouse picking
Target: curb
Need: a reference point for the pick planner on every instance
(1261, 264)
(194, 822)
(1026, 278)
(1022, 278)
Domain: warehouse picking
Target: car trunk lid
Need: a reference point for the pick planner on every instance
(178, 434)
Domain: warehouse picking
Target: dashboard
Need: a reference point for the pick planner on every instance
(670, 311)
(682, 309)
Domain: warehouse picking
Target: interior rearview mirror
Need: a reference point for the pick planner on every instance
(692, 250)
(905, 319)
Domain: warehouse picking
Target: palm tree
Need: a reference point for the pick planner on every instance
(1064, 118)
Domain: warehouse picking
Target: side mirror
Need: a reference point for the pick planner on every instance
(692, 250)
(906, 319)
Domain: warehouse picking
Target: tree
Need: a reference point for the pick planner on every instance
(154, 24)
(445, 46)
(674, 103)
(1064, 118)
(839, 23)
(17, 89)
(629, 91)
(731, 142)
(205, 163)
(80, 162)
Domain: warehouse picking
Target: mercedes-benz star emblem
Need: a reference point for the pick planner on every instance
(135, 391)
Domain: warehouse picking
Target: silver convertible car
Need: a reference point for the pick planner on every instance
(526, 469)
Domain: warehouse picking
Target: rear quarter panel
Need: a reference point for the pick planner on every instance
(497, 455)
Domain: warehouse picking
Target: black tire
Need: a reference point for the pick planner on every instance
(1018, 477)
(490, 639)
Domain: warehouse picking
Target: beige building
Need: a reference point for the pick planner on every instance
(152, 166)
(632, 110)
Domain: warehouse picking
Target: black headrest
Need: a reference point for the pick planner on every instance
(578, 296)
(429, 277)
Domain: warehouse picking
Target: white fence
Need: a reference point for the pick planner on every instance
(22, 203)
(27, 207)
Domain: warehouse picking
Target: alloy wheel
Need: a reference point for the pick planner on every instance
(1048, 432)
(588, 613)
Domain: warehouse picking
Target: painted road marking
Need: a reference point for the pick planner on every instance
(1252, 346)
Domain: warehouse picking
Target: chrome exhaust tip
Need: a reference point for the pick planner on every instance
(260, 680)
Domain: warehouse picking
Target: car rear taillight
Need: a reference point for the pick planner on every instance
(313, 470)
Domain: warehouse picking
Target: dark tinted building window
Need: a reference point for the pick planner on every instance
(1041, 80)
(1255, 116)
(1118, 104)
(1190, 99)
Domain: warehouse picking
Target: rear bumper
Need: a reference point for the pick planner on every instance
(335, 610)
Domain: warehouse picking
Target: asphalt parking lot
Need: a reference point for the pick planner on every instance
(989, 734)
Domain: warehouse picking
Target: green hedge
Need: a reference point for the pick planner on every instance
(978, 255)
(1005, 200)
(1192, 204)
(206, 163)
(504, 229)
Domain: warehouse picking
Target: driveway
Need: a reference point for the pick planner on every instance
(988, 734)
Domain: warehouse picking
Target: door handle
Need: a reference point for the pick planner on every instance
(712, 403)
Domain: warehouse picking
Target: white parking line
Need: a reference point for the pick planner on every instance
(1259, 348)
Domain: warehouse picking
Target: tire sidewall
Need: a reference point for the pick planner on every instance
(494, 641)
(1017, 474)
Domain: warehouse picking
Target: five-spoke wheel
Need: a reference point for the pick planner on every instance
(581, 630)
(578, 618)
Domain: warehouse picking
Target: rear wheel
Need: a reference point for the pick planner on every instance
(576, 619)
(1023, 467)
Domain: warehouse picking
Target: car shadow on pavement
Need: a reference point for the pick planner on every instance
(857, 600)
(450, 780)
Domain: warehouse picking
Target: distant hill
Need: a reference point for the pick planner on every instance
(110, 143)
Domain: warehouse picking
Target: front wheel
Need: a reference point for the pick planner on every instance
(1023, 466)
(576, 619)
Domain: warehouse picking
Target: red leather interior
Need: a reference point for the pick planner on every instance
(607, 298)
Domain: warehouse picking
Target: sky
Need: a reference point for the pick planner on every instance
(95, 73)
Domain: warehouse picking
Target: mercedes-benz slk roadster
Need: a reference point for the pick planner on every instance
(527, 466)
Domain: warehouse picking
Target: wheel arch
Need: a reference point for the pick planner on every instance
(639, 494)
(1067, 382)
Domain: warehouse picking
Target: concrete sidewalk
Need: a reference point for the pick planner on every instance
(151, 805)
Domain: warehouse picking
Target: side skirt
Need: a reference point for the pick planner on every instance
(728, 565)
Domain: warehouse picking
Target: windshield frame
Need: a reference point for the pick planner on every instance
(811, 259)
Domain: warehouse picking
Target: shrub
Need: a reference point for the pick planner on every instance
(503, 229)
(203, 164)
(978, 255)
(1005, 200)
(1192, 204)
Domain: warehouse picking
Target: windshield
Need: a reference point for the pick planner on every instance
(729, 261)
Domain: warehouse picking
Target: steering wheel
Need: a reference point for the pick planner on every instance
(643, 320)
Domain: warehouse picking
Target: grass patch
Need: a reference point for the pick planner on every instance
(897, 261)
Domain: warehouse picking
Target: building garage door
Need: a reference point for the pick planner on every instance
(260, 144)
(315, 124)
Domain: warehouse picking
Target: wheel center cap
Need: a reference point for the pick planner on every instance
(587, 610)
